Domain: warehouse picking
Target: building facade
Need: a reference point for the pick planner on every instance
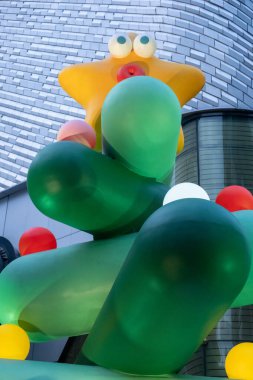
(218, 153)
(218, 150)
(39, 38)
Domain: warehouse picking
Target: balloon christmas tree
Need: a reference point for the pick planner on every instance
(156, 279)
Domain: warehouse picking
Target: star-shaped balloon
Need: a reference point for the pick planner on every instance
(131, 55)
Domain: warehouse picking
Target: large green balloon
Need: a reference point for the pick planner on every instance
(141, 119)
(58, 294)
(84, 189)
(186, 266)
(245, 297)
(32, 370)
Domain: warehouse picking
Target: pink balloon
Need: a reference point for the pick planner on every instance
(78, 131)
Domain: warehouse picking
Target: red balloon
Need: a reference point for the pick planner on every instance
(36, 239)
(129, 70)
(235, 198)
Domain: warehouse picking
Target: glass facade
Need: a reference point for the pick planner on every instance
(218, 153)
(218, 150)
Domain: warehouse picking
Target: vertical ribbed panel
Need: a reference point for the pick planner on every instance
(225, 152)
(219, 147)
(186, 166)
(197, 364)
(236, 326)
(218, 152)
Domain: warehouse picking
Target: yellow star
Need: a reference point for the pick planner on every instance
(89, 83)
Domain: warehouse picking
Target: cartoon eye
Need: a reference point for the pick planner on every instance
(144, 46)
(120, 45)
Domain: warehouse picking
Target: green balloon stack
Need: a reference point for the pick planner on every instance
(58, 294)
(186, 266)
(155, 280)
(89, 191)
(245, 217)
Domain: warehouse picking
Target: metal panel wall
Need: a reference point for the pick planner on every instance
(39, 38)
(218, 152)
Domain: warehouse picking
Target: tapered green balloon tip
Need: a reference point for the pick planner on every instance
(90, 191)
(245, 218)
(33, 288)
(188, 263)
(141, 119)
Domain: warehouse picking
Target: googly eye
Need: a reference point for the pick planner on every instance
(120, 45)
(144, 46)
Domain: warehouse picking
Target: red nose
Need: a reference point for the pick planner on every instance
(129, 70)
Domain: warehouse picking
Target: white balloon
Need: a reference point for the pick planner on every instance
(185, 190)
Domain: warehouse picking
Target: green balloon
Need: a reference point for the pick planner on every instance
(186, 266)
(245, 297)
(59, 293)
(32, 370)
(84, 189)
(141, 119)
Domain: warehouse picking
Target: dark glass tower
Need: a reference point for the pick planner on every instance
(218, 152)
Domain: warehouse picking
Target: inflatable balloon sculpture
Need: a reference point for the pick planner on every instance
(156, 279)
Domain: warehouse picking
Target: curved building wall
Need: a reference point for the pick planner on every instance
(218, 153)
(39, 38)
(218, 150)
